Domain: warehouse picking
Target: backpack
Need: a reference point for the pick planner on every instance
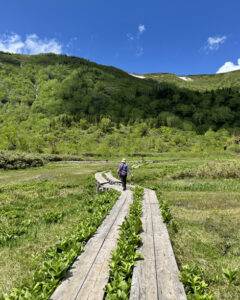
(123, 169)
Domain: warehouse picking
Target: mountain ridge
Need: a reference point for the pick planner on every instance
(34, 87)
(225, 79)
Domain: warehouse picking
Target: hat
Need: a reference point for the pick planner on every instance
(124, 160)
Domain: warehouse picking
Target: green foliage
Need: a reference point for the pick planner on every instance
(199, 82)
(206, 212)
(125, 256)
(10, 160)
(214, 170)
(55, 261)
(64, 105)
(234, 148)
(53, 217)
(48, 102)
(230, 275)
(166, 214)
(195, 286)
(106, 125)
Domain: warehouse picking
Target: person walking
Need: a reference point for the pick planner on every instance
(122, 171)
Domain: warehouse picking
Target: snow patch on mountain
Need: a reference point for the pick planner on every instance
(138, 76)
(185, 78)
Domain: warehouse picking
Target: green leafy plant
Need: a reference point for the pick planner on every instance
(55, 261)
(125, 256)
(52, 217)
(166, 214)
(230, 275)
(192, 278)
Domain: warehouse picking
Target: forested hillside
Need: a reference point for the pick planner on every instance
(48, 100)
(203, 83)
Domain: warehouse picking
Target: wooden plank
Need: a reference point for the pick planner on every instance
(155, 277)
(100, 179)
(169, 285)
(112, 179)
(88, 276)
(144, 281)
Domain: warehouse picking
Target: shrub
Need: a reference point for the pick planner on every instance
(9, 160)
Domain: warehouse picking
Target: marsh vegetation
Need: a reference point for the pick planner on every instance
(205, 207)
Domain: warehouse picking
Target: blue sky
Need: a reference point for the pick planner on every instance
(140, 36)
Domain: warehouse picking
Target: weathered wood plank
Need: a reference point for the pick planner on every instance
(91, 267)
(158, 271)
(100, 179)
(112, 179)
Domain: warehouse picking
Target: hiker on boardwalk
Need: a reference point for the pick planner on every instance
(122, 171)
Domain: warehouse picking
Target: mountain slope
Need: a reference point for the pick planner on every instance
(46, 86)
(199, 82)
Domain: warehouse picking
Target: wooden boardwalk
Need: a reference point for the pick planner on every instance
(154, 278)
(89, 274)
(112, 179)
(101, 181)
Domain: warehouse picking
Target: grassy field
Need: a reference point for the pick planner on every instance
(42, 206)
(38, 208)
(204, 200)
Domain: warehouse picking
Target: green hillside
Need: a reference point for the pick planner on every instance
(199, 82)
(60, 104)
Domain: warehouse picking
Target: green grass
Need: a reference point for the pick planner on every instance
(207, 213)
(36, 214)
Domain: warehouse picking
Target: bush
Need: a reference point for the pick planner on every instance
(234, 148)
(14, 161)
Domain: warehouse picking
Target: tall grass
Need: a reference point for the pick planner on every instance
(227, 169)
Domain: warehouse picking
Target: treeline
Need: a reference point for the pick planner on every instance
(67, 135)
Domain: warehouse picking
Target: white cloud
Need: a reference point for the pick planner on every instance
(12, 43)
(141, 28)
(139, 51)
(130, 36)
(229, 66)
(213, 43)
(32, 44)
